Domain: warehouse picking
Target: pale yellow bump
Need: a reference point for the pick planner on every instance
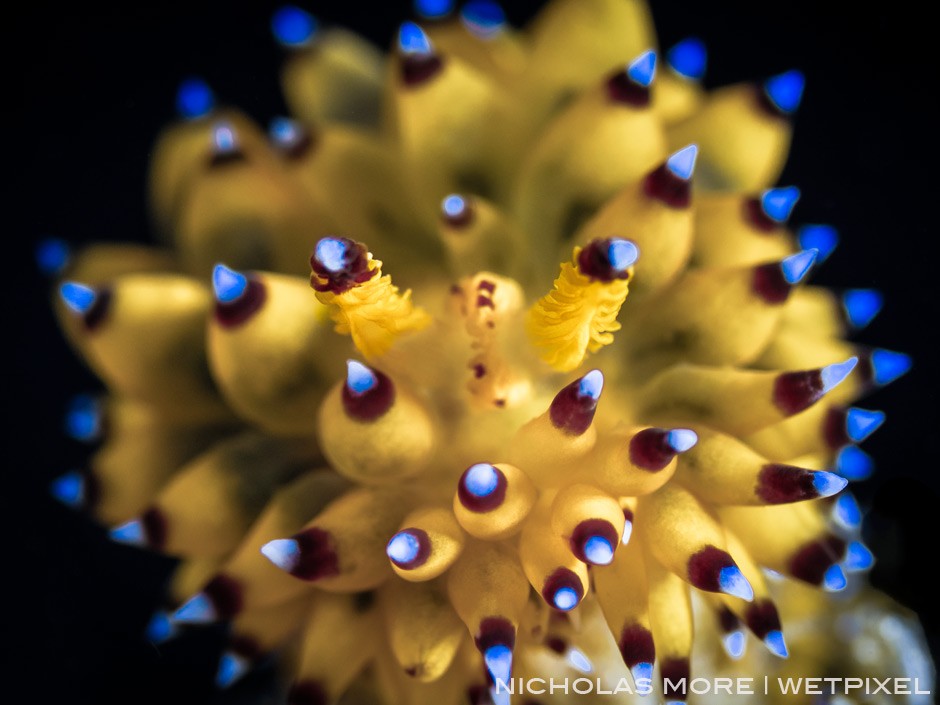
(576, 317)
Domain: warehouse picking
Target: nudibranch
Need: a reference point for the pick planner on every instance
(497, 360)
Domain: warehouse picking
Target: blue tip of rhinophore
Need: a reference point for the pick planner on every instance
(795, 267)
(453, 205)
(622, 254)
(734, 643)
(498, 660)
(434, 9)
(481, 480)
(579, 660)
(83, 418)
(688, 58)
(483, 18)
(231, 669)
(642, 70)
(861, 423)
(853, 463)
(78, 297)
(198, 609)
(224, 138)
(846, 512)
(786, 90)
(858, 557)
(888, 365)
(598, 550)
(778, 203)
(642, 671)
(412, 39)
(292, 26)
(69, 489)
(284, 553)
(627, 532)
(160, 628)
(681, 439)
(682, 163)
(403, 547)
(776, 644)
(359, 378)
(228, 284)
(832, 375)
(194, 99)
(827, 484)
(130, 533)
(331, 253)
(52, 256)
(861, 306)
(591, 385)
(732, 582)
(284, 131)
(824, 238)
(834, 580)
(565, 599)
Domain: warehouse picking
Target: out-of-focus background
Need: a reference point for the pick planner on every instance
(93, 84)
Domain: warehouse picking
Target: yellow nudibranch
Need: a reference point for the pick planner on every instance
(425, 501)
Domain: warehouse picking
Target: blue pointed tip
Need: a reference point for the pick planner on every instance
(827, 484)
(52, 256)
(483, 18)
(732, 582)
(434, 9)
(591, 385)
(778, 203)
(498, 660)
(292, 26)
(854, 464)
(69, 489)
(832, 375)
(682, 163)
(642, 672)
(824, 238)
(78, 297)
(846, 512)
(481, 480)
(284, 553)
(734, 643)
(284, 131)
(858, 557)
(194, 99)
(681, 439)
(861, 423)
(130, 533)
(622, 254)
(160, 629)
(795, 267)
(579, 660)
(776, 644)
(224, 138)
(565, 599)
(688, 58)
(888, 365)
(627, 532)
(403, 547)
(231, 669)
(198, 609)
(642, 70)
(331, 253)
(413, 40)
(598, 551)
(861, 306)
(453, 205)
(786, 90)
(228, 284)
(83, 419)
(359, 378)
(834, 580)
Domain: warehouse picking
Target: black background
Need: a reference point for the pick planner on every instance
(90, 87)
